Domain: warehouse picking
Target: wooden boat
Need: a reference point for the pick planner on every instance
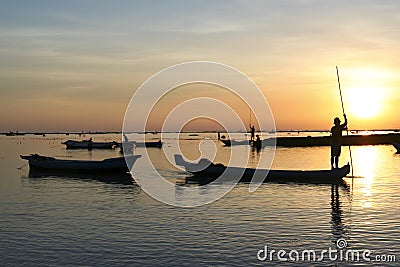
(257, 144)
(157, 144)
(107, 165)
(210, 171)
(397, 146)
(88, 144)
(231, 142)
(129, 144)
(14, 133)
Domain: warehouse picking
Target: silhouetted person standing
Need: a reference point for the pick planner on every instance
(252, 132)
(336, 140)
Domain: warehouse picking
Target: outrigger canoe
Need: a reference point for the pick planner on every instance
(210, 171)
(38, 162)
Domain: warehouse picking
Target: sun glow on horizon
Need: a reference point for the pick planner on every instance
(368, 89)
(365, 102)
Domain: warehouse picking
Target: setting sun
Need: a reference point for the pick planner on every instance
(365, 102)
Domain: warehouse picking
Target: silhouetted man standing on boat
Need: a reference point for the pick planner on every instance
(252, 132)
(336, 140)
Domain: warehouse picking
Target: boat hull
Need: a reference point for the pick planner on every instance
(228, 142)
(208, 171)
(71, 144)
(120, 164)
(130, 144)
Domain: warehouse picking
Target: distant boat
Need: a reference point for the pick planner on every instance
(14, 133)
(38, 162)
(157, 144)
(126, 147)
(397, 146)
(257, 144)
(209, 171)
(232, 142)
(88, 144)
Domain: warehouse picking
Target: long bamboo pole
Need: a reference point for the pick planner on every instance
(347, 129)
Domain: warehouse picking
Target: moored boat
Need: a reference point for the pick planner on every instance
(14, 133)
(107, 165)
(127, 144)
(231, 142)
(157, 144)
(89, 144)
(210, 171)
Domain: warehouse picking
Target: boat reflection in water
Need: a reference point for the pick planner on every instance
(114, 178)
(338, 227)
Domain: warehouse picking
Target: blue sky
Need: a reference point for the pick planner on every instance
(59, 58)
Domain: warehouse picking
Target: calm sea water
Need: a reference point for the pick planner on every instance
(64, 221)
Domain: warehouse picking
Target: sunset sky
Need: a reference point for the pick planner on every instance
(74, 65)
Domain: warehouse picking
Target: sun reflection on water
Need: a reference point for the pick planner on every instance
(365, 164)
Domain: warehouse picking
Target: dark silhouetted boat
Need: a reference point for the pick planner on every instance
(88, 144)
(157, 144)
(14, 133)
(231, 142)
(38, 162)
(209, 171)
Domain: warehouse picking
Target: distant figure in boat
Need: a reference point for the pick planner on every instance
(257, 144)
(336, 140)
(90, 143)
(252, 132)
